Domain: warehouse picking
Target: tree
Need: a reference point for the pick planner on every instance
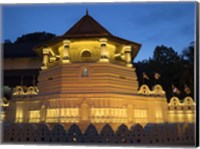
(37, 37)
(188, 54)
(7, 41)
(187, 77)
(165, 55)
(167, 63)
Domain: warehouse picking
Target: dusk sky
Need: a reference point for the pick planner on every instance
(151, 24)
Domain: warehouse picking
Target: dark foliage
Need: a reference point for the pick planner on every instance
(37, 37)
(23, 46)
(173, 68)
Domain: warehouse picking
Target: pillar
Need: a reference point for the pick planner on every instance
(52, 59)
(46, 52)
(66, 44)
(104, 53)
(127, 52)
(43, 114)
(84, 112)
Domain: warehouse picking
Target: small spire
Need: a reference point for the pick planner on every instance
(86, 12)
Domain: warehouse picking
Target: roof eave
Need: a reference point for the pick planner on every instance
(136, 45)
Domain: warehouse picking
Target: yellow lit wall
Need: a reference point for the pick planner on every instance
(2, 116)
(19, 115)
(93, 46)
(140, 115)
(181, 112)
(64, 115)
(106, 115)
(34, 116)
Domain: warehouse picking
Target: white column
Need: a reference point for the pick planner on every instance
(127, 52)
(45, 52)
(66, 44)
(104, 52)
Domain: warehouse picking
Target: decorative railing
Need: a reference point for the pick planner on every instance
(150, 134)
(23, 90)
(157, 90)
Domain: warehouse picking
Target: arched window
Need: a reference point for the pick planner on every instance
(85, 72)
(86, 54)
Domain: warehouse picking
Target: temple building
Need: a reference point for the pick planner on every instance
(87, 76)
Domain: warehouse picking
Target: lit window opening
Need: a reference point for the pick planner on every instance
(85, 72)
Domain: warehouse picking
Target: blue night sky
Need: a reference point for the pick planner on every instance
(151, 24)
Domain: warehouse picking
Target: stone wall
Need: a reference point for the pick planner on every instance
(176, 134)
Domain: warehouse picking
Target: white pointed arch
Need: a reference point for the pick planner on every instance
(157, 89)
(174, 101)
(18, 90)
(188, 101)
(144, 89)
(31, 91)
